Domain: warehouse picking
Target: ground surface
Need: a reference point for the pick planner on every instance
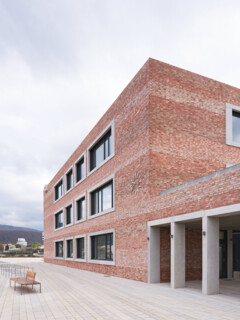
(76, 294)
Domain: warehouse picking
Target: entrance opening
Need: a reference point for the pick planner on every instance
(236, 250)
(223, 254)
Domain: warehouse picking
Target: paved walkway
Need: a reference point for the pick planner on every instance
(75, 294)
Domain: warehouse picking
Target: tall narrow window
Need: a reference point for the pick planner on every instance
(80, 170)
(69, 248)
(101, 150)
(69, 180)
(102, 199)
(236, 126)
(81, 209)
(59, 190)
(59, 249)
(102, 247)
(59, 220)
(233, 125)
(69, 215)
(80, 251)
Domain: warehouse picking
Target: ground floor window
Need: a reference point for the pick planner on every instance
(69, 248)
(80, 248)
(102, 247)
(59, 249)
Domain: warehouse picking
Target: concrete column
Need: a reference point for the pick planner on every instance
(177, 255)
(229, 254)
(210, 255)
(154, 254)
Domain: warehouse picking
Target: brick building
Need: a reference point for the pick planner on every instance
(153, 192)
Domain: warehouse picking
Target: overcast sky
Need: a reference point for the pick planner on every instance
(64, 62)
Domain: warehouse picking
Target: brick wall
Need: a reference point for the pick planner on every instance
(169, 129)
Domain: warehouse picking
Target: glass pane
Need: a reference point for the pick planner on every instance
(94, 248)
(109, 145)
(111, 236)
(107, 197)
(236, 126)
(69, 248)
(78, 248)
(79, 210)
(99, 155)
(99, 207)
(83, 202)
(108, 247)
(106, 149)
(60, 220)
(59, 249)
(95, 203)
(82, 170)
(58, 190)
(69, 215)
(69, 180)
(81, 248)
(101, 248)
(78, 171)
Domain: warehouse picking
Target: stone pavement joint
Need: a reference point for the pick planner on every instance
(76, 294)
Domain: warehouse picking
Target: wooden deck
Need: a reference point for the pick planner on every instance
(76, 294)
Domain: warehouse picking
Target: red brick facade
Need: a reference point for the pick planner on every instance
(169, 128)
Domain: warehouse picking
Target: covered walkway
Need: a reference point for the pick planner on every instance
(218, 253)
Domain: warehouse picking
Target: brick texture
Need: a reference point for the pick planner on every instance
(169, 129)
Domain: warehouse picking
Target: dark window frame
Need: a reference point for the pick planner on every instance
(58, 187)
(69, 180)
(79, 254)
(83, 214)
(100, 199)
(69, 214)
(106, 142)
(57, 249)
(95, 239)
(78, 165)
(69, 254)
(56, 220)
(235, 114)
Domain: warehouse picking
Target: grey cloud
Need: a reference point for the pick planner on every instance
(63, 63)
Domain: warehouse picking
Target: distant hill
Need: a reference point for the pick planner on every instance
(10, 234)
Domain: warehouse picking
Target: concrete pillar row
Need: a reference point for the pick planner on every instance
(177, 255)
(154, 255)
(210, 255)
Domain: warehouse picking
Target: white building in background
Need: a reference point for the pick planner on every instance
(22, 242)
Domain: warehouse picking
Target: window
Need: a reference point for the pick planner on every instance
(80, 248)
(59, 190)
(80, 170)
(101, 150)
(232, 125)
(69, 180)
(102, 198)
(69, 215)
(102, 247)
(69, 248)
(80, 209)
(236, 126)
(59, 249)
(59, 220)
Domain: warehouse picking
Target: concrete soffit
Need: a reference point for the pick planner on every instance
(215, 212)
